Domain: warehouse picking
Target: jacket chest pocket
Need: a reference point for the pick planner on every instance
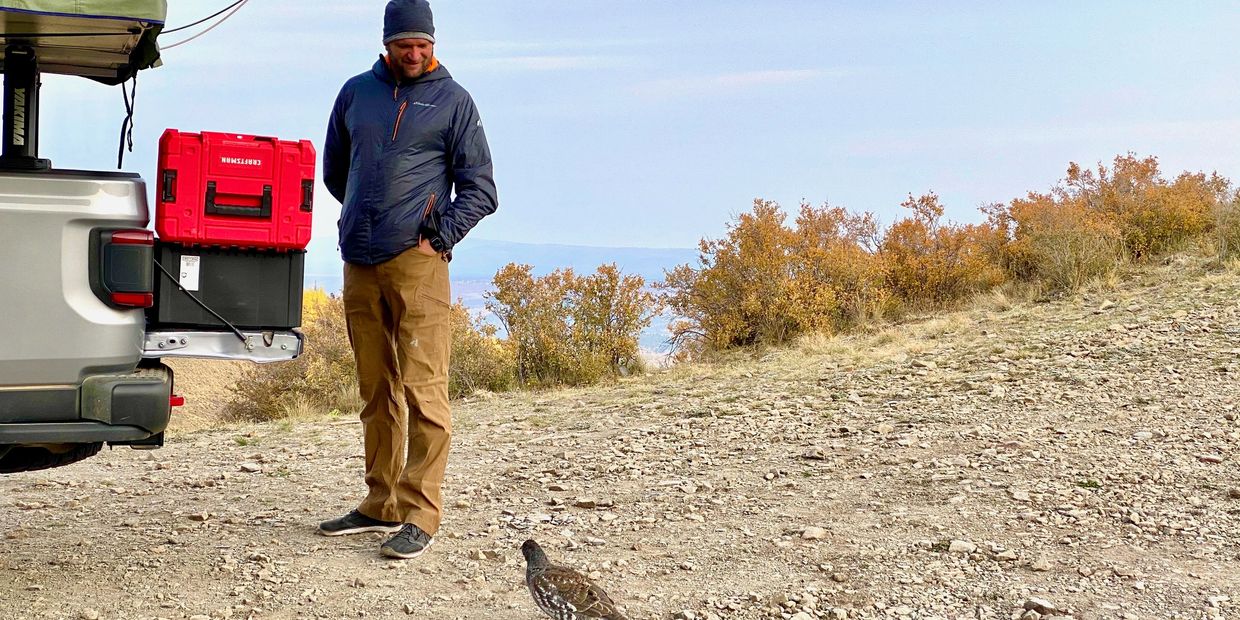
(418, 127)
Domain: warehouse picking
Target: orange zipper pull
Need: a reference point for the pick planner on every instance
(399, 115)
(430, 204)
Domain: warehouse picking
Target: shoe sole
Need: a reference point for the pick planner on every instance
(389, 552)
(382, 529)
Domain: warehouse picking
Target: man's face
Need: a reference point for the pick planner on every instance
(410, 58)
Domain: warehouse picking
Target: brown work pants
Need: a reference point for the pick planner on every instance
(398, 318)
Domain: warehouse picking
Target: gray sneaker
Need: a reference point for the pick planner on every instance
(408, 543)
(356, 523)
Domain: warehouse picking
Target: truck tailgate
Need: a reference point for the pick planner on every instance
(54, 330)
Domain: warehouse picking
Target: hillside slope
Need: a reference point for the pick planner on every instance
(1075, 457)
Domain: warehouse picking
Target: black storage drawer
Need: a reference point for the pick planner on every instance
(251, 288)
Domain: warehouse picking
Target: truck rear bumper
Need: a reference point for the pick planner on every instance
(69, 432)
(110, 407)
(258, 346)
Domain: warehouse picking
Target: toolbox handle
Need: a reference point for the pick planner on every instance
(263, 211)
(307, 195)
(170, 186)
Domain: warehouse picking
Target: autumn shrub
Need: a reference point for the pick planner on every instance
(479, 359)
(743, 292)
(838, 278)
(1060, 244)
(565, 329)
(609, 311)
(929, 263)
(324, 376)
(1227, 229)
(766, 284)
(1095, 219)
(1151, 215)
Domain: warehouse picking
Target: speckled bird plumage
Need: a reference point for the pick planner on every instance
(563, 593)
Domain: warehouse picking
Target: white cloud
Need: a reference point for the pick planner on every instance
(534, 63)
(536, 46)
(729, 83)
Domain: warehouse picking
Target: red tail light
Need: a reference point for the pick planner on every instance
(134, 237)
(134, 300)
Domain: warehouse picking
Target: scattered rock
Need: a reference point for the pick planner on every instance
(814, 533)
(961, 546)
(815, 454)
(1042, 606)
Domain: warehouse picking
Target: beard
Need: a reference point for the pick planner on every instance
(413, 71)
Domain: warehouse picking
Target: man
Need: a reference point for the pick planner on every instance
(401, 138)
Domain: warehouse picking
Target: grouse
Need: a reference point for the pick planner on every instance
(563, 593)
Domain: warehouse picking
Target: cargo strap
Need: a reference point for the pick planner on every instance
(131, 97)
(200, 303)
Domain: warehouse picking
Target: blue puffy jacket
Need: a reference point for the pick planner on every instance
(394, 153)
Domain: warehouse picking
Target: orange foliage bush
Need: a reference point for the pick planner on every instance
(742, 293)
(479, 359)
(837, 278)
(1058, 243)
(765, 283)
(929, 263)
(1151, 215)
(566, 329)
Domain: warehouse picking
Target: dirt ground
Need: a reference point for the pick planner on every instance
(1074, 458)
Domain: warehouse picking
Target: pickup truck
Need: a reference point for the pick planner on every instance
(80, 365)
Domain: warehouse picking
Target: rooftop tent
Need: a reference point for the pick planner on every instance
(105, 40)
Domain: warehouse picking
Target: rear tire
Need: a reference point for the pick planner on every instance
(33, 458)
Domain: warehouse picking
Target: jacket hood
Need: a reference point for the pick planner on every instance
(383, 74)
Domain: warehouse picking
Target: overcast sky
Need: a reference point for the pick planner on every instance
(650, 123)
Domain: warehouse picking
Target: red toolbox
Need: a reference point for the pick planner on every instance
(221, 189)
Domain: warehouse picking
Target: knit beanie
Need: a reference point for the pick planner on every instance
(408, 19)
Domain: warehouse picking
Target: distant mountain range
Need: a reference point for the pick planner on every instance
(479, 259)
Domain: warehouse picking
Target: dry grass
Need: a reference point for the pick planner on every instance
(206, 386)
